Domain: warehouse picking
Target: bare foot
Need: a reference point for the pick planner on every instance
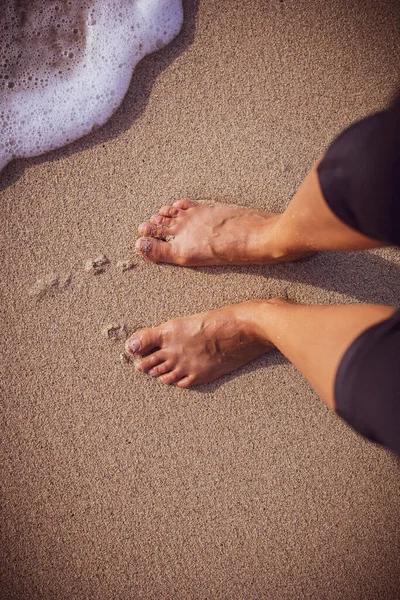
(192, 234)
(200, 348)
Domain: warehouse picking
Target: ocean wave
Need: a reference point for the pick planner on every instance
(65, 65)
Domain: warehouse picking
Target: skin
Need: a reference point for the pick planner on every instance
(191, 234)
(202, 235)
(203, 347)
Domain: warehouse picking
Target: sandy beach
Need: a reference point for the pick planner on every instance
(115, 486)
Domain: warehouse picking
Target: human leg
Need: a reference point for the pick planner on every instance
(201, 348)
(192, 234)
(348, 201)
(315, 337)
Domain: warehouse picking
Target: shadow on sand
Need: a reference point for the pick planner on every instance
(364, 276)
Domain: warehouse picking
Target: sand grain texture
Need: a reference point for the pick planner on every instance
(115, 486)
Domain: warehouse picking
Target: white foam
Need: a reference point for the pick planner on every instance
(51, 96)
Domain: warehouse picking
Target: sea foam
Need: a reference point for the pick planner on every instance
(65, 65)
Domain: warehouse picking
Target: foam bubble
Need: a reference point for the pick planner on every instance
(65, 65)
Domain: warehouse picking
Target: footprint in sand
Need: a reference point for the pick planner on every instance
(101, 263)
(50, 285)
(126, 265)
(118, 332)
(97, 265)
(126, 358)
(115, 332)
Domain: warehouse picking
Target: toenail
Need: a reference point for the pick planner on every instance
(153, 371)
(157, 219)
(134, 346)
(144, 228)
(144, 245)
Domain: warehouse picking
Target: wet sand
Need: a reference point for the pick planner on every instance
(115, 486)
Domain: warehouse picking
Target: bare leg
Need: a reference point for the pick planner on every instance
(193, 234)
(201, 348)
(309, 225)
(315, 338)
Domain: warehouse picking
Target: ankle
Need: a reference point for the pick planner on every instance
(277, 243)
(283, 242)
(256, 316)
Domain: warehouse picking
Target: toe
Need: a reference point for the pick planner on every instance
(185, 382)
(161, 369)
(171, 377)
(169, 211)
(184, 204)
(151, 361)
(144, 341)
(160, 220)
(157, 251)
(156, 231)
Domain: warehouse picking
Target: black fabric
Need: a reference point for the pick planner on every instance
(367, 385)
(360, 181)
(360, 175)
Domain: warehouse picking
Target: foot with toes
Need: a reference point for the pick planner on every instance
(203, 347)
(200, 348)
(191, 234)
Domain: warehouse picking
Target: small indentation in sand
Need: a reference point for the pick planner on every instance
(116, 332)
(50, 285)
(126, 358)
(97, 265)
(126, 265)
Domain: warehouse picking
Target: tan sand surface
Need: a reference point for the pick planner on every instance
(114, 486)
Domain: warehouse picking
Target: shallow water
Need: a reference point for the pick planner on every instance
(65, 65)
